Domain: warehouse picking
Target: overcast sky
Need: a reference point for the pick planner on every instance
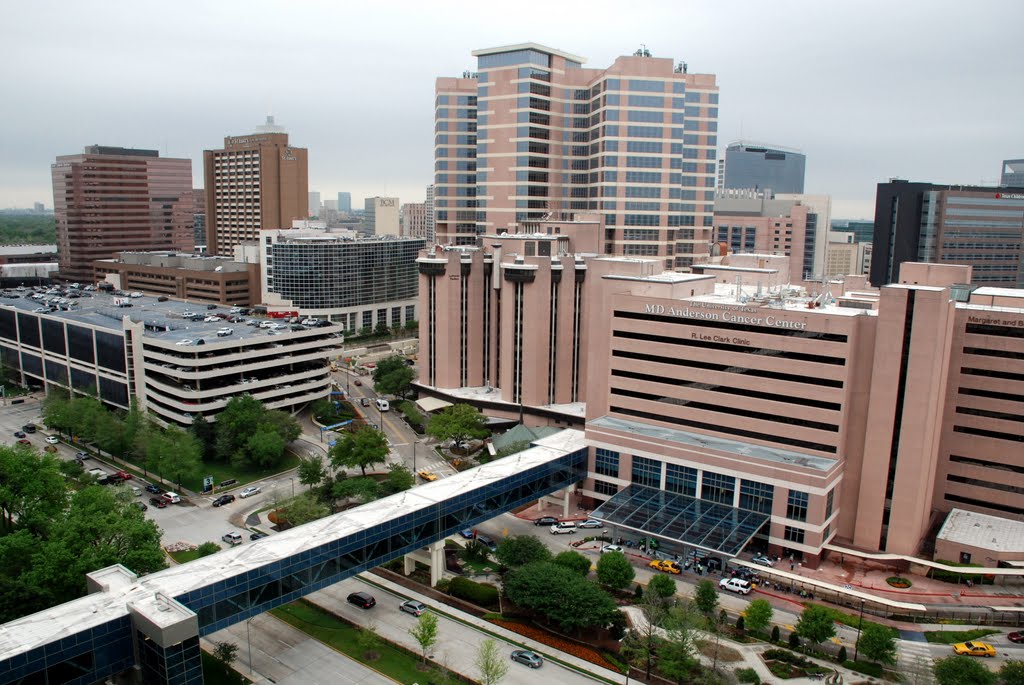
(929, 91)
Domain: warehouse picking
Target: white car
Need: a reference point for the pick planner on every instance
(223, 332)
(611, 548)
(739, 585)
(211, 319)
(249, 491)
(763, 560)
(52, 439)
(590, 523)
(187, 314)
(182, 343)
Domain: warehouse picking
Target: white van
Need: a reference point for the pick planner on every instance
(563, 527)
(382, 405)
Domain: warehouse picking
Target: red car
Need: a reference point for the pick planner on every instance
(1016, 636)
(123, 475)
(358, 382)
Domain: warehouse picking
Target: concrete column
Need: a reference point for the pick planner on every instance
(437, 565)
(410, 564)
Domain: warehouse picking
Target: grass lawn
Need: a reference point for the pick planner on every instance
(187, 555)
(216, 673)
(393, 662)
(222, 472)
(950, 637)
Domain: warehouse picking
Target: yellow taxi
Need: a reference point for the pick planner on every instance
(428, 475)
(974, 649)
(666, 566)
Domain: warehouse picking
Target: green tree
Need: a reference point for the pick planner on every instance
(574, 561)
(705, 598)
(56, 411)
(225, 652)
(816, 624)
(490, 663)
(311, 471)
(369, 641)
(642, 642)
(615, 571)
(519, 550)
(303, 509)
(561, 595)
(425, 633)
(878, 643)
(361, 489)
(109, 434)
(1012, 673)
(399, 479)
(457, 422)
(393, 376)
(360, 448)
(677, 656)
(663, 587)
(205, 434)
(175, 454)
(32, 490)
(207, 548)
(759, 615)
(962, 670)
(264, 448)
(240, 419)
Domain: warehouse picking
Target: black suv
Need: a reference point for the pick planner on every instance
(29, 428)
(223, 499)
(362, 599)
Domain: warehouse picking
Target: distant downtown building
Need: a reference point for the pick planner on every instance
(355, 281)
(429, 209)
(110, 199)
(345, 203)
(314, 204)
(183, 276)
(254, 182)
(863, 231)
(979, 226)
(380, 216)
(634, 142)
(841, 422)
(414, 220)
(199, 219)
(1013, 173)
(763, 167)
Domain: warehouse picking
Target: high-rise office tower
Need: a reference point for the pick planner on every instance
(429, 210)
(975, 225)
(314, 203)
(199, 219)
(762, 167)
(1013, 173)
(345, 203)
(414, 219)
(111, 199)
(635, 142)
(254, 182)
(380, 215)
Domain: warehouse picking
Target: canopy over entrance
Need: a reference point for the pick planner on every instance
(678, 518)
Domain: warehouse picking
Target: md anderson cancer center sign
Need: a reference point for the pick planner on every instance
(750, 316)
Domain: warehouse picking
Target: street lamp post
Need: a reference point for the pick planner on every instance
(856, 647)
(414, 443)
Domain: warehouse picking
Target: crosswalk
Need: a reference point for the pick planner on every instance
(915, 660)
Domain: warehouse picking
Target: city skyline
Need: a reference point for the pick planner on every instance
(859, 89)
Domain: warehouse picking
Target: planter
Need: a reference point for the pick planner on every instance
(898, 582)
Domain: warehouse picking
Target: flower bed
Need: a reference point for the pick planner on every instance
(898, 582)
(556, 642)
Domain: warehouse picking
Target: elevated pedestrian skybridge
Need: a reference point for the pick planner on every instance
(155, 621)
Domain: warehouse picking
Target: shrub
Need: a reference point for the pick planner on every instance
(481, 594)
(775, 633)
(842, 654)
(794, 640)
(638, 592)
(443, 585)
(740, 625)
(865, 667)
(747, 675)
(954, 577)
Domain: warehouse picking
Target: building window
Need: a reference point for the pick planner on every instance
(604, 488)
(756, 496)
(828, 504)
(796, 506)
(681, 480)
(606, 462)
(794, 534)
(647, 472)
(718, 488)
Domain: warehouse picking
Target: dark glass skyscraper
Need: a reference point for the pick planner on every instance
(761, 167)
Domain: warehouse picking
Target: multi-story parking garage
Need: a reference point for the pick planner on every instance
(174, 359)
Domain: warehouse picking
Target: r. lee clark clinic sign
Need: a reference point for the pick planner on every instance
(750, 316)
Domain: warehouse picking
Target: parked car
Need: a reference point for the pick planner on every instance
(428, 476)
(362, 599)
(590, 523)
(763, 560)
(141, 506)
(735, 585)
(486, 541)
(232, 538)
(223, 499)
(81, 455)
(467, 533)
(666, 566)
(545, 521)
(974, 648)
(24, 441)
(29, 428)
(52, 439)
(413, 607)
(224, 332)
(528, 658)
(123, 475)
(249, 491)
(611, 548)
(257, 535)
(158, 502)
(155, 489)
(563, 527)
(19, 434)
(185, 343)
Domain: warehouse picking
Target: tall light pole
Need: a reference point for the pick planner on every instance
(860, 622)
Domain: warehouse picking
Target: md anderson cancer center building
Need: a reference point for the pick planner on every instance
(726, 410)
